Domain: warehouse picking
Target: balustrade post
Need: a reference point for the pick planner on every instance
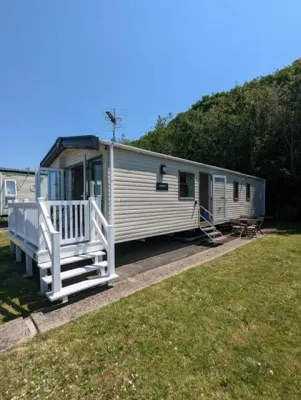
(25, 219)
(92, 215)
(16, 217)
(40, 219)
(56, 263)
(111, 250)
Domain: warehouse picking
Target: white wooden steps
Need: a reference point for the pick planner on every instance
(98, 266)
(73, 259)
(71, 273)
(78, 287)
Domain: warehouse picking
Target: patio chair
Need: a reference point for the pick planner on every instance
(251, 228)
(260, 221)
(236, 226)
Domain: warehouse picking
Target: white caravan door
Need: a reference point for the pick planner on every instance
(50, 183)
(219, 198)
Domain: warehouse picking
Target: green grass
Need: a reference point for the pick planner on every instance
(18, 296)
(227, 330)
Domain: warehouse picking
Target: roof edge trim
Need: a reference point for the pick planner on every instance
(90, 142)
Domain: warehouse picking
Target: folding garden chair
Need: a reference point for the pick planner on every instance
(236, 226)
(260, 221)
(251, 228)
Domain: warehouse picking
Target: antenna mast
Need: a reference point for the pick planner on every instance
(111, 115)
(112, 118)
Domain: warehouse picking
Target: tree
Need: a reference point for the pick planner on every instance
(254, 128)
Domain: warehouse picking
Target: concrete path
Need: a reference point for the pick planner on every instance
(16, 332)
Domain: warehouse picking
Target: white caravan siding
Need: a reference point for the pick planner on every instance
(142, 211)
(72, 157)
(256, 204)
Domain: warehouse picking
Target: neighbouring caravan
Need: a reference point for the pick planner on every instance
(15, 184)
(99, 193)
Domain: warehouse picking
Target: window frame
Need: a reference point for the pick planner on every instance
(235, 198)
(248, 192)
(5, 188)
(179, 186)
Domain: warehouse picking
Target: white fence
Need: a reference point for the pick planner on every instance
(71, 218)
(23, 220)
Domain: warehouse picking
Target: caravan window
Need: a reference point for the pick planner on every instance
(10, 188)
(235, 191)
(248, 192)
(186, 185)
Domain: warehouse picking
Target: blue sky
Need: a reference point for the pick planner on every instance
(63, 62)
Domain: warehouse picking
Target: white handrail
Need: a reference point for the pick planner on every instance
(46, 237)
(207, 211)
(99, 214)
(108, 241)
(105, 242)
(46, 216)
(52, 244)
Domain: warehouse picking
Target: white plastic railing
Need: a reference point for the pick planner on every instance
(71, 219)
(98, 224)
(23, 220)
(52, 241)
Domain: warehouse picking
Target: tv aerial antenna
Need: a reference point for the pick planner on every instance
(116, 117)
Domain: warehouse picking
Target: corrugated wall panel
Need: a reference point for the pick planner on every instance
(25, 187)
(242, 206)
(142, 211)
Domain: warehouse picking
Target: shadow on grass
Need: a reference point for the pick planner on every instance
(18, 295)
(285, 228)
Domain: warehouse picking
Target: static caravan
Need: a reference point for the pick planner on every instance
(15, 184)
(100, 193)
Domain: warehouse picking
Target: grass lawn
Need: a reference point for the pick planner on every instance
(228, 330)
(18, 296)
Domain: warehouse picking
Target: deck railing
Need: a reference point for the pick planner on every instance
(48, 225)
(105, 232)
(51, 238)
(23, 220)
(70, 218)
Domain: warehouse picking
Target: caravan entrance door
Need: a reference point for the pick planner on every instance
(49, 183)
(219, 198)
(94, 178)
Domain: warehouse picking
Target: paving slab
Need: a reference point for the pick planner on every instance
(16, 332)
(46, 321)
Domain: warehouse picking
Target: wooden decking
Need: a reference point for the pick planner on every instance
(56, 233)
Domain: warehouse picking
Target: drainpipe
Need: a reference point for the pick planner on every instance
(112, 183)
(111, 233)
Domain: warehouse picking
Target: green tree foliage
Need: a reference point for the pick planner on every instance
(254, 128)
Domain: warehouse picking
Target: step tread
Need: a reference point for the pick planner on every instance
(207, 229)
(220, 238)
(77, 287)
(71, 273)
(214, 233)
(73, 259)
